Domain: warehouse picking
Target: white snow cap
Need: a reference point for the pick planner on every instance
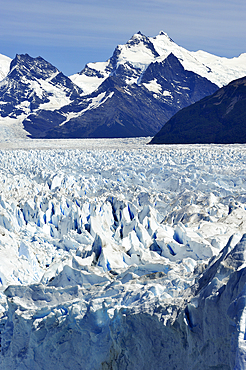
(4, 66)
(140, 50)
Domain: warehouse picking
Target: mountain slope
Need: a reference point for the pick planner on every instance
(168, 80)
(220, 119)
(128, 62)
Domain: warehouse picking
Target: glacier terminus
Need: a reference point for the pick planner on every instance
(118, 255)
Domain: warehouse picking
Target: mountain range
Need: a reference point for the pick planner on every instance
(133, 93)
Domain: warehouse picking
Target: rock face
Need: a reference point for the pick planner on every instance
(220, 118)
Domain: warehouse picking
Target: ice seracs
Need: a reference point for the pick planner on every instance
(103, 251)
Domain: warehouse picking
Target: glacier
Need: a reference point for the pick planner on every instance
(115, 254)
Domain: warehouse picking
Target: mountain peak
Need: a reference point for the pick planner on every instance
(140, 39)
(35, 67)
(162, 33)
(137, 37)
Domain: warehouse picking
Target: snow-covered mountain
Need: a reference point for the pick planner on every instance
(33, 83)
(118, 109)
(133, 58)
(134, 93)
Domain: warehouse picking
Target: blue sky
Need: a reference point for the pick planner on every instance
(70, 33)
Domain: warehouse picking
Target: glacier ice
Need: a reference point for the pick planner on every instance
(118, 255)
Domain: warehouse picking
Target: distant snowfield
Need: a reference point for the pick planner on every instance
(113, 251)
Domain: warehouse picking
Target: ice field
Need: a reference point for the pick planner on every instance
(119, 255)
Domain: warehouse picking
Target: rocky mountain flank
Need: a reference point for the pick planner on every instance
(219, 118)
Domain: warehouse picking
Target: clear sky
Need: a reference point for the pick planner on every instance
(71, 33)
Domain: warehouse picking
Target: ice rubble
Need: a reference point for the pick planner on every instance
(123, 258)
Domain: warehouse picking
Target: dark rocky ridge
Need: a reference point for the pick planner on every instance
(185, 87)
(219, 118)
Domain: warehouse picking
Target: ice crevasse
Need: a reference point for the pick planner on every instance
(123, 259)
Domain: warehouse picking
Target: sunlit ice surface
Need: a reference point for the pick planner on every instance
(112, 251)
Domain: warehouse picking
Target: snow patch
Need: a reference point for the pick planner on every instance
(153, 86)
